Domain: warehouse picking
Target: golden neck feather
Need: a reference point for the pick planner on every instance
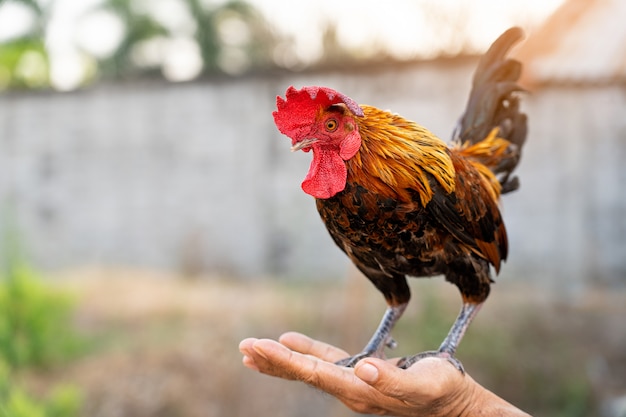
(396, 155)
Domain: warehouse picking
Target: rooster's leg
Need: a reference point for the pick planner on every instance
(452, 340)
(381, 338)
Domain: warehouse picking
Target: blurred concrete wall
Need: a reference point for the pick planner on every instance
(196, 177)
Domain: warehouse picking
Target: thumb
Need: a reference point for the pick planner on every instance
(386, 378)
(427, 380)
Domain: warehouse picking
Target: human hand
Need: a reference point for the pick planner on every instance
(431, 387)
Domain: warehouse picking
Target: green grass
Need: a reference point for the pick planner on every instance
(63, 401)
(35, 321)
(36, 332)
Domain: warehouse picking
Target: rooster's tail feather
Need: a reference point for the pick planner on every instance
(492, 104)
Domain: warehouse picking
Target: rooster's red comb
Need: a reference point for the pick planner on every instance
(299, 107)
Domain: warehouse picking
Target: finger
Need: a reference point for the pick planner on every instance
(304, 344)
(428, 380)
(324, 375)
(246, 346)
(275, 359)
(246, 343)
(256, 358)
(249, 363)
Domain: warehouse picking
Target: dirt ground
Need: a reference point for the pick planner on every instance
(167, 346)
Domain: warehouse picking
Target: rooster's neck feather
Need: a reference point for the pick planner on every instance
(397, 156)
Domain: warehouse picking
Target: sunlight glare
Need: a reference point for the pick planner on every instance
(182, 60)
(100, 33)
(67, 70)
(149, 53)
(233, 31)
(15, 20)
(405, 28)
(174, 15)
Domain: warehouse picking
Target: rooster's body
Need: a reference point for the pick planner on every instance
(400, 202)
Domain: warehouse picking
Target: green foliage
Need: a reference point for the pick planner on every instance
(24, 64)
(35, 321)
(35, 331)
(141, 27)
(64, 401)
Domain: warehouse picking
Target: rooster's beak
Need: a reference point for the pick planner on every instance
(304, 143)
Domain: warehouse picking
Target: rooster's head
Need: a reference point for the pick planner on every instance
(322, 120)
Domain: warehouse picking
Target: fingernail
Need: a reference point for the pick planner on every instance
(367, 372)
(259, 352)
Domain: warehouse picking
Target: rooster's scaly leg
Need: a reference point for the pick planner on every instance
(451, 342)
(381, 338)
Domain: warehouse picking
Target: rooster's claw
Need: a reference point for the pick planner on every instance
(407, 361)
(351, 361)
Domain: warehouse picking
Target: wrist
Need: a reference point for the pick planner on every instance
(484, 403)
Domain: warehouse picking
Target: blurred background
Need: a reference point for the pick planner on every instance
(151, 214)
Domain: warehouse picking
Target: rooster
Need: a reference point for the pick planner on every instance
(401, 202)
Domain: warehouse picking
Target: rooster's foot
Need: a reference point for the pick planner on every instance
(407, 361)
(349, 362)
(375, 353)
(353, 360)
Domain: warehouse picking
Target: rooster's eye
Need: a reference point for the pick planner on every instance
(331, 125)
